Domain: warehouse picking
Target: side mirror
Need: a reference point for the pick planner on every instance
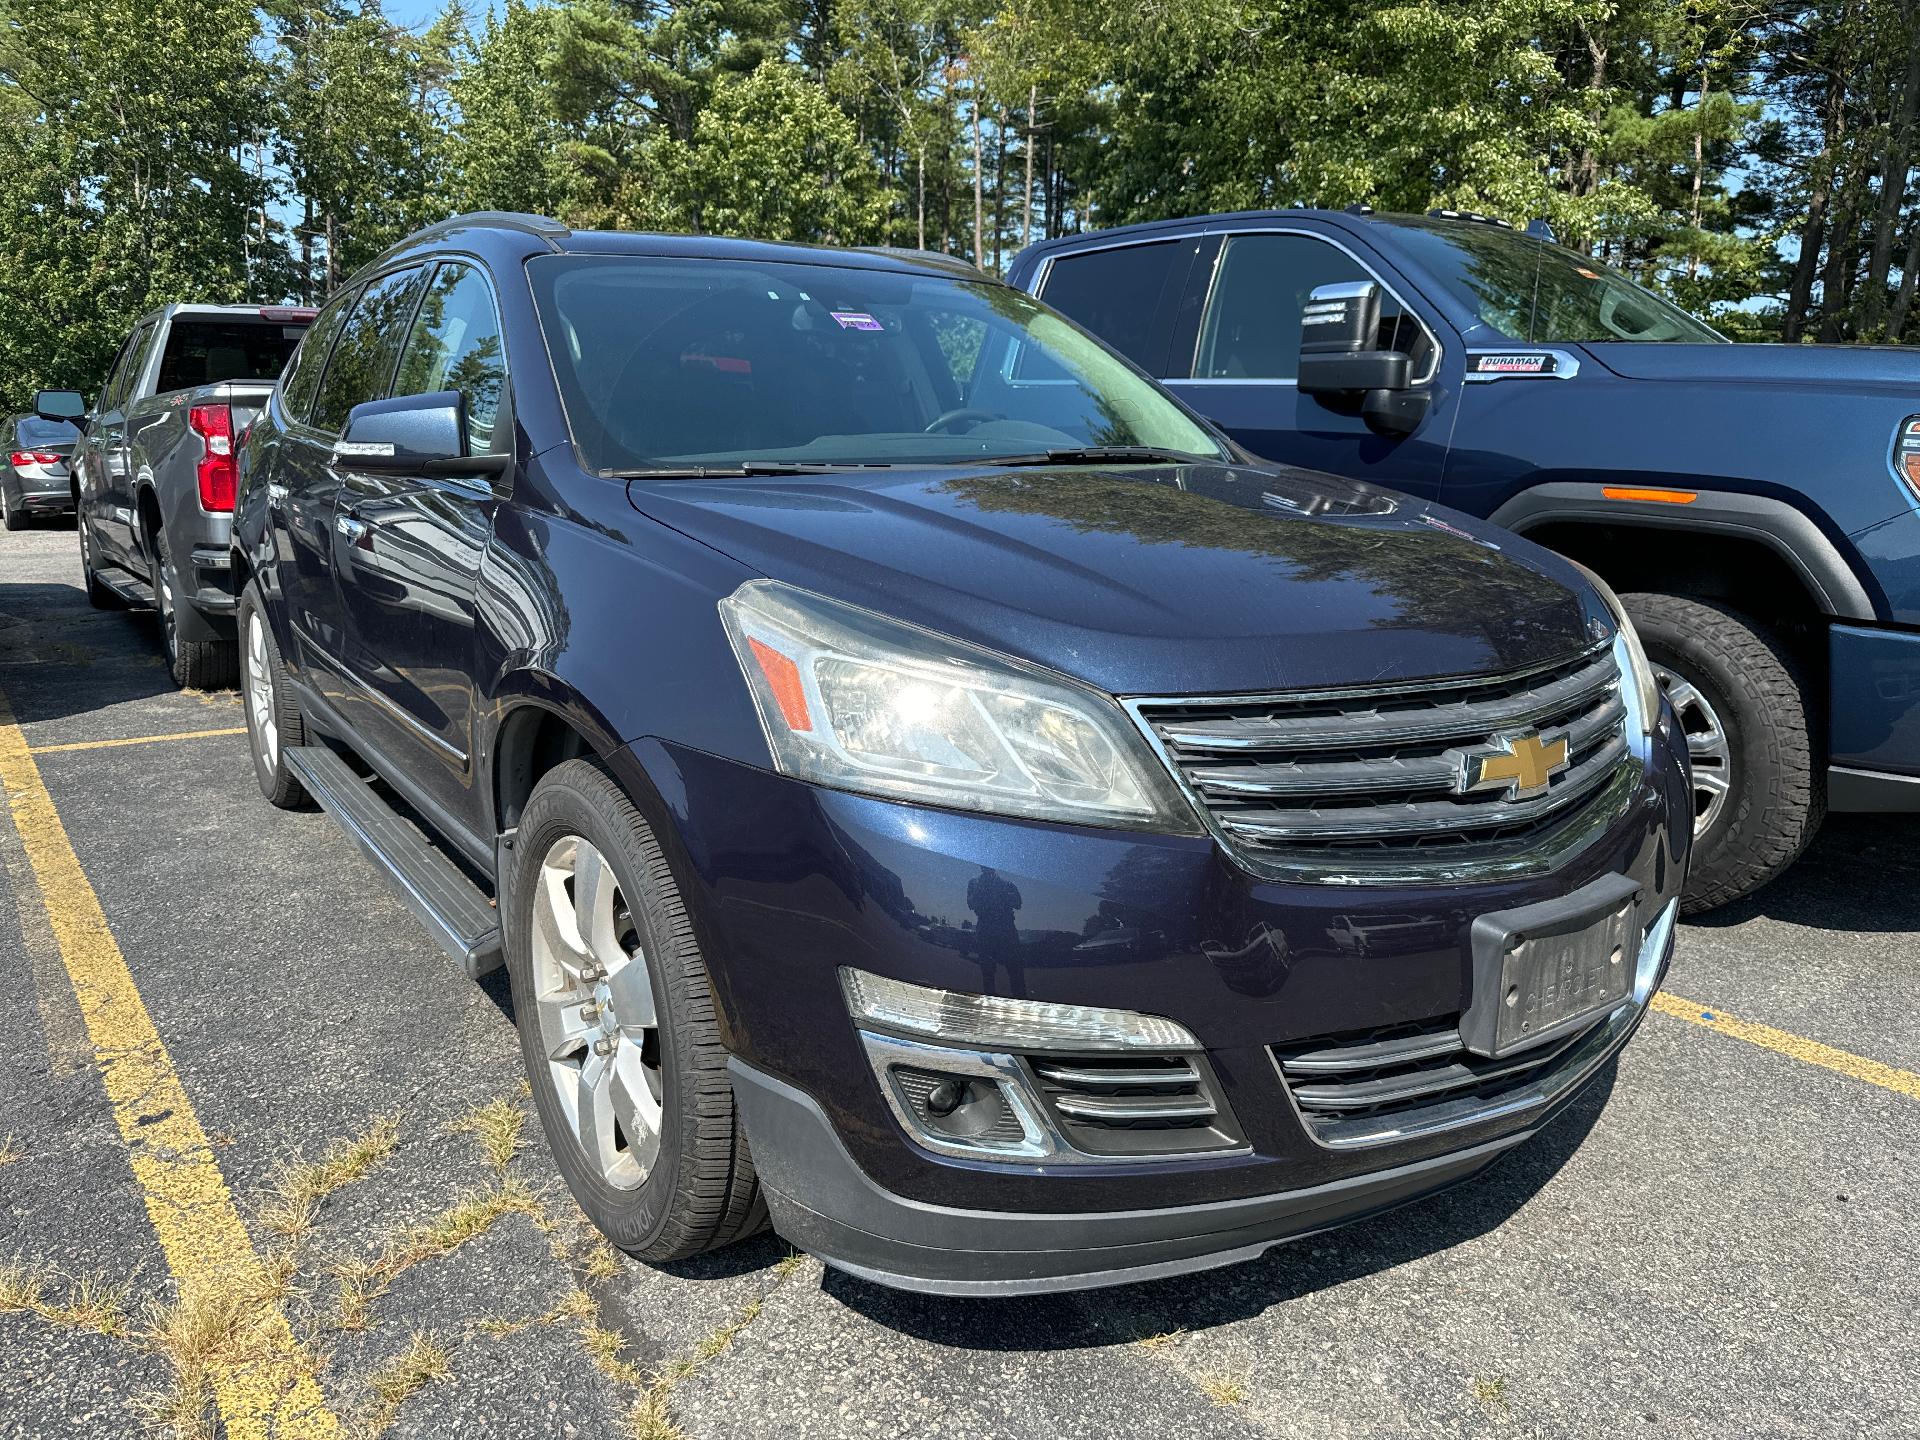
(68, 405)
(1339, 333)
(413, 435)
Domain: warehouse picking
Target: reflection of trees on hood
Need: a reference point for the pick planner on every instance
(1426, 577)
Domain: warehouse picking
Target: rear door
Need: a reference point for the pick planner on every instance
(359, 367)
(107, 490)
(408, 551)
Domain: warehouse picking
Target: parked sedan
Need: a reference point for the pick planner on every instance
(35, 479)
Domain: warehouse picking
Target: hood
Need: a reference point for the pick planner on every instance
(1157, 580)
(1845, 365)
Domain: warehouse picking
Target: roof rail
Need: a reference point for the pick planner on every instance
(544, 226)
(1474, 215)
(907, 252)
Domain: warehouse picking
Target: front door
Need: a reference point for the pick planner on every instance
(1238, 362)
(408, 552)
(106, 490)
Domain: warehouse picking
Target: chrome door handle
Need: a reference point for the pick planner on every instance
(350, 529)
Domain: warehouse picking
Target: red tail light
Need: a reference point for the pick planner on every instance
(214, 425)
(33, 457)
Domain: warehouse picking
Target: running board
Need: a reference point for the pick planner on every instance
(454, 910)
(128, 586)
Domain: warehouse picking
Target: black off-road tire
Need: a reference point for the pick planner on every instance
(701, 1192)
(212, 663)
(277, 782)
(1777, 794)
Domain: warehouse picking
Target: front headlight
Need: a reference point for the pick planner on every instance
(1631, 656)
(854, 700)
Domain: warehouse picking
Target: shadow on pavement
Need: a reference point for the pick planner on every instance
(1216, 1297)
(64, 658)
(1860, 873)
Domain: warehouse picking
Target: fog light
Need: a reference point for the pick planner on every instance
(991, 1022)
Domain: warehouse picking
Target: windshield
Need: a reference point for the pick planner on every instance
(1539, 293)
(665, 363)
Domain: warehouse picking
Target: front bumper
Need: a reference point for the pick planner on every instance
(822, 1201)
(787, 883)
(1874, 705)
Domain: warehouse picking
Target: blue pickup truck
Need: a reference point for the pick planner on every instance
(1757, 506)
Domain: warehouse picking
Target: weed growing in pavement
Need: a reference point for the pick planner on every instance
(295, 1195)
(364, 1281)
(1163, 1339)
(10, 1152)
(215, 1328)
(1221, 1389)
(496, 1125)
(422, 1363)
(1492, 1395)
(91, 1302)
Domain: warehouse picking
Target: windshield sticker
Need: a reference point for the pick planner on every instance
(855, 320)
(1513, 365)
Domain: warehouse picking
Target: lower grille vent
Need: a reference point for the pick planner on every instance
(1126, 1104)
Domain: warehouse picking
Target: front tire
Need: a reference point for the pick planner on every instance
(274, 722)
(209, 663)
(1745, 707)
(617, 1025)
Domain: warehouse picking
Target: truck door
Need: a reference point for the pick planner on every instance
(106, 488)
(408, 551)
(1235, 359)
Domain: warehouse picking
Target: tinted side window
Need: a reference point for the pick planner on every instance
(1251, 330)
(455, 345)
(369, 344)
(302, 380)
(1116, 293)
(125, 370)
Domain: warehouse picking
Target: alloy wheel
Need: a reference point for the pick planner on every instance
(260, 691)
(1708, 746)
(599, 1032)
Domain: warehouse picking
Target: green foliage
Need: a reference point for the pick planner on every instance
(1754, 161)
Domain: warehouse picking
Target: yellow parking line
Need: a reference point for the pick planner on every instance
(207, 1248)
(1797, 1047)
(133, 740)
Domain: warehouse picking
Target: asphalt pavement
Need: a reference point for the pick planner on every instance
(1722, 1239)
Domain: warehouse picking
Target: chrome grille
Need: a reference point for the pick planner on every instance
(1373, 1086)
(1114, 1104)
(1367, 784)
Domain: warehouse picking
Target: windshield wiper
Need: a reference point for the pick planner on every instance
(744, 468)
(1099, 455)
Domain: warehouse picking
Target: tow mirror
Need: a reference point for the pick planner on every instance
(413, 435)
(1340, 360)
(69, 405)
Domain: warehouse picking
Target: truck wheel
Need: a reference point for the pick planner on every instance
(1742, 702)
(210, 662)
(617, 1025)
(274, 723)
(98, 595)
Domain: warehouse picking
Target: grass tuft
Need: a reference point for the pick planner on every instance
(497, 1126)
(364, 1281)
(1163, 1339)
(297, 1192)
(91, 1302)
(21, 1286)
(214, 1328)
(1222, 1390)
(424, 1362)
(10, 1152)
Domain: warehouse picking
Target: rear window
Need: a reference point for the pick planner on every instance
(210, 350)
(32, 431)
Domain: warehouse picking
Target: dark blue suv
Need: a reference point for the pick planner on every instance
(1757, 506)
(926, 786)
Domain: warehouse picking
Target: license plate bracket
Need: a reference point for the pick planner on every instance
(1545, 970)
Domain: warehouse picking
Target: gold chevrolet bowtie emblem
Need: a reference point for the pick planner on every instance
(1524, 765)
